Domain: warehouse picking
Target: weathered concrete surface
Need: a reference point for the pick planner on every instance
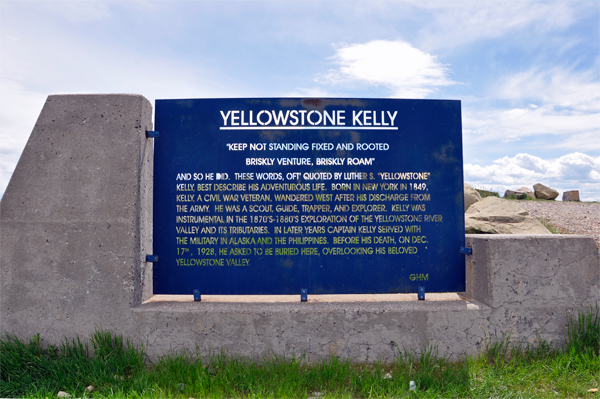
(444, 296)
(76, 218)
(75, 224)
(533, 271)
(357, 330)
(518, 285)
(530, 282)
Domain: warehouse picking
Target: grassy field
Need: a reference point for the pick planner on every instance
(116, 369)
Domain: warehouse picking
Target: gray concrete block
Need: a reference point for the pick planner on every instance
(75, 221)
(533, 271)
(532, 284)
(359, 331)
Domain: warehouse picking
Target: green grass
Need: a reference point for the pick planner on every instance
(484, 191)
(584, 332)
(117, 369)
(30, 369)
(551, 228)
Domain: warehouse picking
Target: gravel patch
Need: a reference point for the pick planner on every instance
(568, 217)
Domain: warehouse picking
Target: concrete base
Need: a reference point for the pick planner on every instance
(76, 223)
(520, 286)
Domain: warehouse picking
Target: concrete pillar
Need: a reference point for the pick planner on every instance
(532, 282)
(76, 218)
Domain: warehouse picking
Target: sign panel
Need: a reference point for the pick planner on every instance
(339, 196)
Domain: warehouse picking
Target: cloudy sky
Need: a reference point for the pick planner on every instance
(527, 72)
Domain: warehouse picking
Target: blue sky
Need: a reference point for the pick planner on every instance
(527, 72)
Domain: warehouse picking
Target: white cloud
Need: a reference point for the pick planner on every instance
(514, 124)
(309, 92)
(81, 11)
(31, 69)
(562, 105)
(19, 109)
(461, 22)
(541, 109)
(558, 88)
(575, 171)
(407, 71)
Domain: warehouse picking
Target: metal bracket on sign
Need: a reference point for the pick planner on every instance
(197, 297)
(152, 258)
(303, 295)
(421, 293)
(152, 134)
(466, 250)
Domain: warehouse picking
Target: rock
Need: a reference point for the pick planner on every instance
(530, 193)
(544, 192)
(90, 388)
(487, 193)
(515, 194)
(63, 394)
(497, 216)
(471, 196)
(572, 195)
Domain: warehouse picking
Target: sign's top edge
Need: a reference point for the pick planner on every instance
(307, 98)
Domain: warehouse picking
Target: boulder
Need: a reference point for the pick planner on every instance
(530, 194)
(487, 193)
(544, 192)
(572, 195)
(471, 196)
(515, 194)
(497, 216)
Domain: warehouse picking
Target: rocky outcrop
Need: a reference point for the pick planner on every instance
(515, 194)
(497, 216)
(471, 196)
(572, 195)
(544, 192)
(530, 194)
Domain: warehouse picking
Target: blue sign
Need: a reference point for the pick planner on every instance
(337, 196)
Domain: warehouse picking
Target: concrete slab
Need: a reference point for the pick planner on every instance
(311, 298)
(362, 331)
